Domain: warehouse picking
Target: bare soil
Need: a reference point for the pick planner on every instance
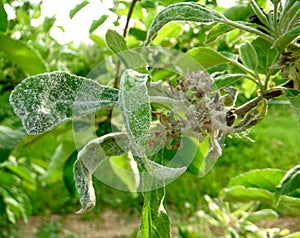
(113, 224)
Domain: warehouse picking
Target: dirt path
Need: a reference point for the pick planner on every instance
(109, 224)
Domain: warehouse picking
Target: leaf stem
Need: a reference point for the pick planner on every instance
(249, 29)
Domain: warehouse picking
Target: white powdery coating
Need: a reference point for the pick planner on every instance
(46, 100)
(136, 110)
(88, 160)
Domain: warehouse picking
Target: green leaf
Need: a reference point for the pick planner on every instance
(217, 31)
(3, 18)
(293, 96)
(27, 58)
(289, 183)
(97, 23)
(265, 53)
(77, 8)
(135, 108)
(266, 179)
(88, 160)
(260, 14)
(208, 57)
(9, 139)
(48, 23)
(227, 79)
(155, 220)
(240, 12)
(68, 174)
(138, 33)
(168, 31)
(242, 194)
(129, 58)
(248, 55)
(264, 214)
(46, 100)
(284, 40)
(182, 12)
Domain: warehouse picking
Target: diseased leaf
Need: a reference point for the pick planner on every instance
(289, 183)
(252, 118)
(129, 58)
(182, 12)
(208, 57)
(27, 58)
(3, 18)
(248, 55)
(97, 23)
(46, 100)
(9, 139)
(77, 8)
(89, 159)
(135, 108)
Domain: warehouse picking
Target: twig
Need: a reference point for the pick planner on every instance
(125, 33)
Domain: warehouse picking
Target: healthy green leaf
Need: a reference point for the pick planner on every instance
(242, 194)
(284, 40)
(129, 58)
(260, 14)
(182, 12)
(46, 100)
(208, 57)
(227, 79)
(68, 174)
(77, 8)
(240, 12)
(289, 183)
(155, 220)
(89, 159)
(168, 31)
(135, 109)
(264, 214)
(27, 58)
(97, 23)
(3, 18)
(9, 139)
(266, 179)
(248, 55)
(265, 54)
(217, 31)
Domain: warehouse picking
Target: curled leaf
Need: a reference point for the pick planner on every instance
(89, 158)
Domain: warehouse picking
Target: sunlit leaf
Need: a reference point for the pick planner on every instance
(97, 23)
(264, 214)
(77, 8)
(289, 183)
(155, 220)
(17, 51)
(217, 31)
(3, 18)
(285, 39)
(46, 100)
(227, 79)
(129, 58)
(208, 57)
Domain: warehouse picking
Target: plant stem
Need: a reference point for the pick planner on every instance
(249, 29)
(125, 33)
